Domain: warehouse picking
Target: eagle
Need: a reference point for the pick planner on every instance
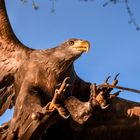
(29, 77)
(41, 83)
(35, 70)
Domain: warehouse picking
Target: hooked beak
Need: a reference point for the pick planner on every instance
(83, 46)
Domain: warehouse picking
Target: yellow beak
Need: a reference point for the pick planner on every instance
(82, 46)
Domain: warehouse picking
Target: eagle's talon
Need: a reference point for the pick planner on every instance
(115, 81)
(106, 80)
(114, 95)
(97, 97)
(68, 85)
(60, 109)
(62, 112)
(116, 76)
(64, 90)
(58, 85)
(107, 90)
(65, 80)
(101, 96)
(54, 105)
(104, 106)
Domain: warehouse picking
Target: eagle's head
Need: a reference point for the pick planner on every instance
(73, 48)
(76, 46)
(63, 56)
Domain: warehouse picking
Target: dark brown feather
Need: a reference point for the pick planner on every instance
(35, 75)
(28, 79)
(12, 55)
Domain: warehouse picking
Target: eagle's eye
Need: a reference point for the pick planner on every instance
(71, 42)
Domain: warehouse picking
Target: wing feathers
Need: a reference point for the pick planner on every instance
(6, 33)
(12, 55)
(6, 92)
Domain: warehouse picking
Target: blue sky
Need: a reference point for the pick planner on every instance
(115, 44)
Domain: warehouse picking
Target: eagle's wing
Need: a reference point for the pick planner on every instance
(12, 54)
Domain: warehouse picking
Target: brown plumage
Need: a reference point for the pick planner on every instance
(12, 55)
(29, 77)
(45, 68)
(28, 81)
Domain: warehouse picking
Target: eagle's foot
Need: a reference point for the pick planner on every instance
(102, 95)
(55, 103)
(115, 81)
